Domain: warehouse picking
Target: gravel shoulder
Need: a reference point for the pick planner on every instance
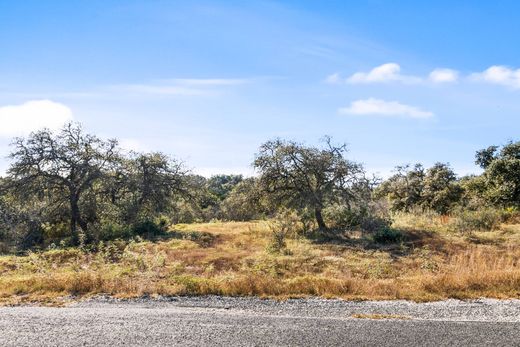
(483, 310)
(218, 321)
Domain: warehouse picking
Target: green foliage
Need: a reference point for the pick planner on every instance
(387, 235)
(72, 188)
(482, 219)
(434, 189)
(302, 177)
(441, 190)
(404, 189)
(150, 229)
(61, 169)
(20, 225)
(114, 231)
(368, 217)
(244, 202)
(222, 185)
(501, 178)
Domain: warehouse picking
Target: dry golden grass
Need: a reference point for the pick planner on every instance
(233, 259)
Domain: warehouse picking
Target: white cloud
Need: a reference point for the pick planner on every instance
(498, 74)
(178, 87)
(390, 72)
(374, 106)
(157, 89)
(444, 75)
(210, 81)
(333, 79)
(17, 120)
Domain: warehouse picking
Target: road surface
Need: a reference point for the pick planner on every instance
(218, 321)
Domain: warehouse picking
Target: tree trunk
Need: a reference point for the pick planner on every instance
(319, 219)
(75, 218)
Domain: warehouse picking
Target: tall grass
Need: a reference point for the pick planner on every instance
(430, 262)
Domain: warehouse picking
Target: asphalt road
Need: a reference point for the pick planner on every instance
(253, 322)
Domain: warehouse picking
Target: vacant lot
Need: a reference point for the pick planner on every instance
(430, 262)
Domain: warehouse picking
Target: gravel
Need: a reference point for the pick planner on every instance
(482, 310)
(214, 320)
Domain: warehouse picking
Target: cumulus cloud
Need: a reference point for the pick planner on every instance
(390, 72)
(17, 120)
(444, 76)
(379, 107)
(498, 74)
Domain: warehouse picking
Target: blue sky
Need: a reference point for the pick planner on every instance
(207, 82)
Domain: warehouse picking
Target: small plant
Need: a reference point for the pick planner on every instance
(511, 215)
(111, 252)
(287, 223)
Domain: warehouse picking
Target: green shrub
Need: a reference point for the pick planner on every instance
(483, 219)
(112, 231)
(149, 229)
(342, 217)
(387, 235)
(367, 218)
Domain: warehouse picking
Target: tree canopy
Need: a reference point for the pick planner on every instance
(71, 188)
(302, 176)
(62, 167)
(501, 177)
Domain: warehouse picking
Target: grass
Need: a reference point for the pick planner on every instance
(430, 262)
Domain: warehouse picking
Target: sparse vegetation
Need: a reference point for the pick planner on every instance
(235, 258)
(80, 217)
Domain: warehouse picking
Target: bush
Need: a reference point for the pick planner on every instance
(342, 217)
(286, 223)
(483, 219)
(372, 217)
(150, 229)
(112, 231)
(387, 235)
(146, 228)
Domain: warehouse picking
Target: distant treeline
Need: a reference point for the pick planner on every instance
(73, 188)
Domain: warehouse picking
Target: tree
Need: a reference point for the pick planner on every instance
(404, 189)
(244, 202)
(441, 189)
(501, 173)
(300, 176)
(435, 188)
(222, 185)
(62, 166)
(153, 181)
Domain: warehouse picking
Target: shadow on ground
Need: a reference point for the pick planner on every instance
(403, 245)
(203, 239)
